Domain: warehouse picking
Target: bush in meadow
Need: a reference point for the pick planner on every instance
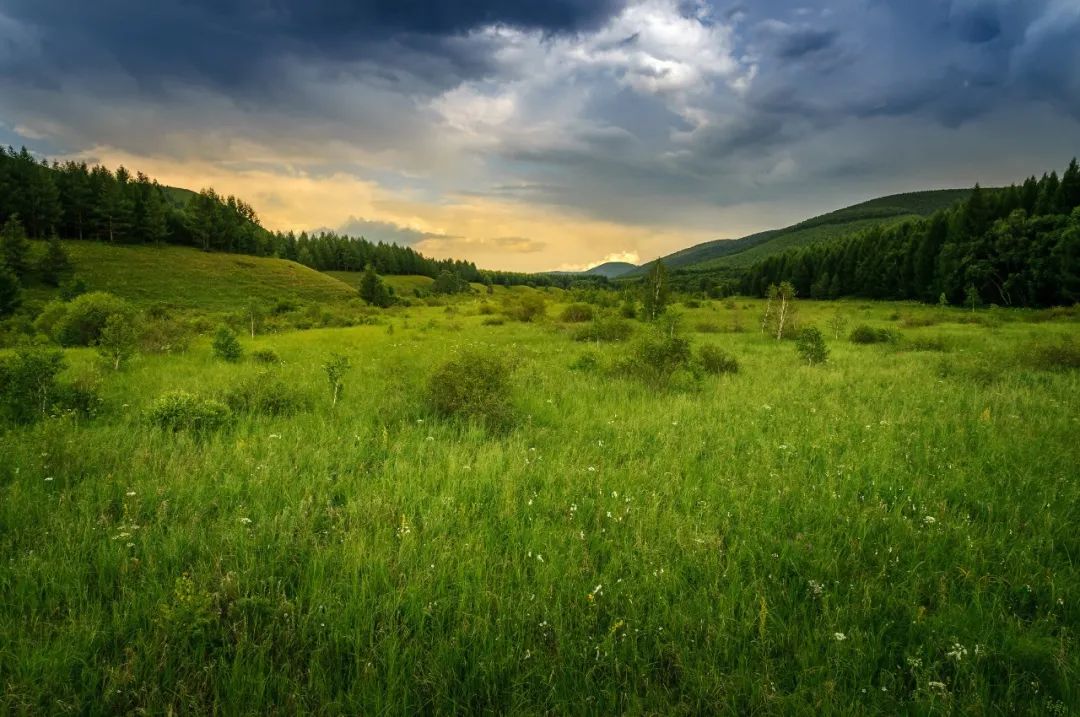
(863, 334)
(810, 345)
(28, 383)
(712, 359)
(118, 340)
(474, 386)
(265, 356)
(266, 393)
(335, 368)
(85, 316)
(605, 328)
(226, 346)
(183, 411)
(577, 313)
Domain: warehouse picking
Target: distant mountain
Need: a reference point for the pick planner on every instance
(741, 253)
(611, 269)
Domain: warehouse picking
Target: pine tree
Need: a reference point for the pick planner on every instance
(14, 247)
(54, 262)
(372, 289)
(10, 291)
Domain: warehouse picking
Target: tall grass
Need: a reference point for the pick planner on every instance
(859, 537)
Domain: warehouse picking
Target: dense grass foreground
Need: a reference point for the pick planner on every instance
(892, 532)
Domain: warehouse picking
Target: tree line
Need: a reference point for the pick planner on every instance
(1017, 246)
(75, 200)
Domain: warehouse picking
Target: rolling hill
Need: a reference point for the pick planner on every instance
(611, 269)
(188, 278)
(739, 253)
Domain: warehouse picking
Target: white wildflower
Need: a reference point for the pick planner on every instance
(839, 636)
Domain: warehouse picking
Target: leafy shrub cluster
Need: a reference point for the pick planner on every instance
(81, 321)
(863, 334)
(527, 308)
(30, 388)
(183, 411)
(1062, 354)
(588, 361)
(811, 346)
(605, 328)
(226, 346)
(714, 360)
(475, 386)
(266, 394)
(577, 313)
(265, 356)
(657, 358)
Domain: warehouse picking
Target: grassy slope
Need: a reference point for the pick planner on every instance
(402, 285)
(187, 277)
(747, 250)
(372, 559)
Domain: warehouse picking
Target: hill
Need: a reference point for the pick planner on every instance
(611, 269)
(738, 253)
(189, 278)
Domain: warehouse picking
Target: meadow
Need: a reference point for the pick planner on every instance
(893, 531)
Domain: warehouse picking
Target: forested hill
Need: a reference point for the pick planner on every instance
(721, 254)
(76, 201)
(1018, 246)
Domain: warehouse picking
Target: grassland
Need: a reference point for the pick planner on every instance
(893, 532)
(188, 278)
(744, 252)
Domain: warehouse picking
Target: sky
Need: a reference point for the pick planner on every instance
(534, 135)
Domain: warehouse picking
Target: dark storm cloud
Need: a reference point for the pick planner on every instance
(232, 43)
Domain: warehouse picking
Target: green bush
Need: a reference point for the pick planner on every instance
(605, 328)
(267, 356)
(588, 361)
(1062, 354)
(10, 291)
(864, 334)
(493, 321)
(83, 321)
(266, 394)
(810, 345)
(475, 386)
(183, 411)
(226, 346)
(656, 358)
(28, 383)
(526, 308)
(577, 313)
(714, 360)
(164, 336)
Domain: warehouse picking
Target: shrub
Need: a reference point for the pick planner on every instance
(226, 346)
(72, 288)
(164, 336)
(657, 358)
(85, 318)
(1062, 354)
(265, 394)
(335, 368)
(527, 308)
(79, 396)
(183, 411)
(714, 360)
(692, 304)
(605, 328)
(863, 334)
(628, 310)
(283, 306)
(577, 313)
(708, 326)
(811, 346)
(493, 321)
(28, 383)
(265, 356)
(926, 343)
(475, 386)
(118, 339)
(588, 361)
(485, 309)
(10, 291)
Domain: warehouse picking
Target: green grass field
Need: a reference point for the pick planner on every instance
(188, 278)
(893, 532)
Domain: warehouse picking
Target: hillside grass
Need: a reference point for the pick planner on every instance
(743, 252)
(891, 533)
(188, 278)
